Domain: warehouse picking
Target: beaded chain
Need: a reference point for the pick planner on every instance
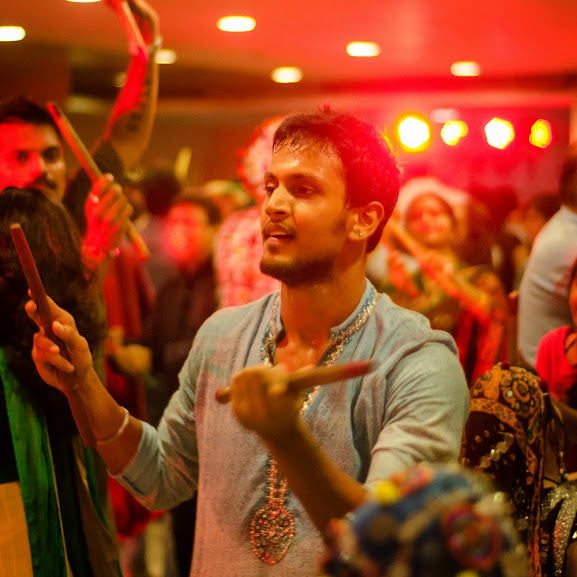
(272, 528)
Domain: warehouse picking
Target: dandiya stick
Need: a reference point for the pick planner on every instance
(91, 168)
(303, 380)
(39, 295)
(129, 22)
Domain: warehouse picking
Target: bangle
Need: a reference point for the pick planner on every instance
(119, 432)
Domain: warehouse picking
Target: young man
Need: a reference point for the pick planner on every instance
(275, 466)
(544, 289)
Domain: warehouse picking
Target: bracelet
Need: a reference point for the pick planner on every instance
(119, 432)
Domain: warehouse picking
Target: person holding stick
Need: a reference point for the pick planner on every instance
(32, 156)
(52, 518)
(276, 463)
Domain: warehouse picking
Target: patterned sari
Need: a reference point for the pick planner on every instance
(514, 435)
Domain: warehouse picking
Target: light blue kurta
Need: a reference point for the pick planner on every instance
(413, 407)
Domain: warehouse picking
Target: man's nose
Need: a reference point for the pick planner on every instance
(278, 202)
(37, 166)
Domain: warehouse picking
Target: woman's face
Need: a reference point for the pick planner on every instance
(430, 221)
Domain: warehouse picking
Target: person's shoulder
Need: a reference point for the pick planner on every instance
(398, 327)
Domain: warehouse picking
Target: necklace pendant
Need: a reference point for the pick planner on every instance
(271, 532)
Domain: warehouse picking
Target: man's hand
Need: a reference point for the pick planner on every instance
(262, 403)
(107, 215)
(46, 354)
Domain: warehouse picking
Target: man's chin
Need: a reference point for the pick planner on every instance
(299, 273)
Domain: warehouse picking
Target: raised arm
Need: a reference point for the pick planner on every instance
(117, 434)
(130, 123)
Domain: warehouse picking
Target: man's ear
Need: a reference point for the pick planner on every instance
(366, 220)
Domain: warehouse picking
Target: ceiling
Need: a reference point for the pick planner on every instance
(522, 46)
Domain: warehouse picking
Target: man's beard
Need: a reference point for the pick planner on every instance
(301, 273)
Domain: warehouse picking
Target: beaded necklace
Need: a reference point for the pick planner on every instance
(272, 528)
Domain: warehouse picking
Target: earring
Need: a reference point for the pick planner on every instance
(360, 234)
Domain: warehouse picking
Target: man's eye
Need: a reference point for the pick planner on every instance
(22, 157)
(269, 189)
(51, 155)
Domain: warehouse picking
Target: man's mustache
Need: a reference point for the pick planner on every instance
(43, 181)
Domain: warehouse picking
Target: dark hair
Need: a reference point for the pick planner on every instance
(370, 169)
(212, 212)
(159, 188)
(55, 244)
(568, 178)
(545, 203)
(20, 110)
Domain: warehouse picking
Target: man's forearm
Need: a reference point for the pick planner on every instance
(106, 419)
(130, 123)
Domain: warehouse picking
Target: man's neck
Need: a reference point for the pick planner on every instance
(308, 313)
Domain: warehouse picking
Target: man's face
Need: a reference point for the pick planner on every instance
(189, 237)
(303, 217)
(31, 156)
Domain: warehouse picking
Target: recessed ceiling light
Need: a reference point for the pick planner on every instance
(11, 33)
(236, 24)
(363, 49)
(165, 56)
(465, 68)
(287, 74)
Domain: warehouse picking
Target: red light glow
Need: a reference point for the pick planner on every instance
(414, 133)
(541, 134)
(499, 132)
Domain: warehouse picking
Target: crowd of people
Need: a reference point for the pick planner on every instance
(451, 451)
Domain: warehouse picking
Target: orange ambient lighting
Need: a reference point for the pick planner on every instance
(499, 133)
(236, 24)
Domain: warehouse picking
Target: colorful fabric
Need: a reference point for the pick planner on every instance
(427, 521)
(480, 345)
(46, 505)
(514, 435)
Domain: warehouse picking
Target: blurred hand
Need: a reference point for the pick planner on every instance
(107, 215)
(132, 360)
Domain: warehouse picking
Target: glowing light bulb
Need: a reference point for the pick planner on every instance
(499, 132)
(541, 134)
(453, 131)
(236, 23)
(11, 33)
(414, 133)
(165, 56)
(287, 74)
(465, 68)
(363, 49)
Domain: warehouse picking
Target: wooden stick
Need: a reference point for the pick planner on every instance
(39, 295)
(133, 31)
(303, 380)
(91, 168)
